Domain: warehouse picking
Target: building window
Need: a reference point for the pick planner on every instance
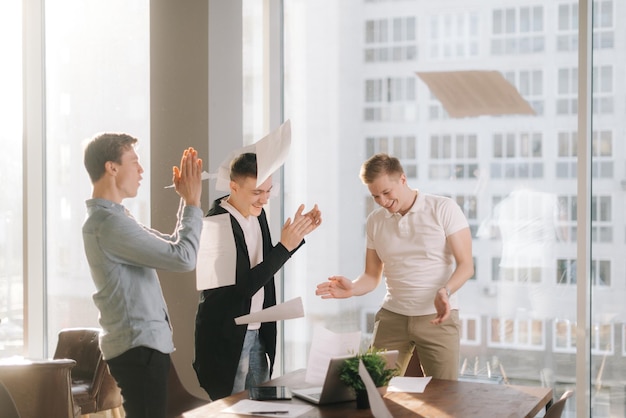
(601, 217)
(401, 147)
(603, 28)
(603, 90)
(602, 149)
(435, 109)
(517, 30)
(566, 155)
(390, 99)
(566, 271)
(517, 155)
(567, 91)
(373, 91)
(469, 205)
(518, 334)
(600, 272)
(564, 331)
(522, 273)
(453, 157)
(567, 35)
(470, 330)
(454, 35)
(393, 39)
(567, 213)
(529, 83)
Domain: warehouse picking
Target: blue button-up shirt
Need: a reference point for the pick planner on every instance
(123, 256)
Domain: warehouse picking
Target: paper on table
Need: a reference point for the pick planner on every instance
(408, 384)
(216, 243)
(271, 152)
(287, 310)
(475, 93)
(326, 345)
(248, 407)
(377, 405)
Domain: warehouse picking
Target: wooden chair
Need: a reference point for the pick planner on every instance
(40, 388)
(556, 409)
(93, 387)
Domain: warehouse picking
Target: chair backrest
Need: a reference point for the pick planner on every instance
(80, 345)
(7, 404)
(556, 410)
(91, 372)
(40, 388)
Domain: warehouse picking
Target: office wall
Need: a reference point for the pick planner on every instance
(195, 88)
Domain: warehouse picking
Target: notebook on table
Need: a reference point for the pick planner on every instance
(334, 390)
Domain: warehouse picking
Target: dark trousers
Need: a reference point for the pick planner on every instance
(142, 374)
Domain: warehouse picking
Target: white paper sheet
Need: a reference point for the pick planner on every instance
(377, 405)
(216, 243)
(408, 384)
(287, 310)
(271, 152)
(265, 408)
(326, 345)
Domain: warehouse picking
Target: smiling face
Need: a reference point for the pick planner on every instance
(127, 173)
(247, 198)
(392, 193)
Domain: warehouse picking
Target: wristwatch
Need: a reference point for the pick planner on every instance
(447, 289)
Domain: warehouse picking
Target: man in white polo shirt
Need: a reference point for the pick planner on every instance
(423, 246)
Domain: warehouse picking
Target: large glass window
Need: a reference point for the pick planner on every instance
(515, 176)
(97, 80)
(11, 202)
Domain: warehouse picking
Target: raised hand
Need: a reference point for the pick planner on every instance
(316, 216)
(293, 232)
(188, 178)
(337, 287)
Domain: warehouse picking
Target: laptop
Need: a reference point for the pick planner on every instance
(334, 390)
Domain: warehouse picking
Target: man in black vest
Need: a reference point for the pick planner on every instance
(230, 358)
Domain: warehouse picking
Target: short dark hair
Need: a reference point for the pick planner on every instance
(103, 148)
(243, 166)
(379, 164)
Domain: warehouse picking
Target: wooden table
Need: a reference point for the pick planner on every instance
(442, 399)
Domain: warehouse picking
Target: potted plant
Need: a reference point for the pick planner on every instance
(376, 366)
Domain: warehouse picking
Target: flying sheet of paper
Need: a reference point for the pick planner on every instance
(377, 405)
(475, 93)
(408, 384)
(265, 408)
(326, 345)
(271, 152)
(286, 310)
(217, 243)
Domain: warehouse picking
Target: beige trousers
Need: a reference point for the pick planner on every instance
(436, 345)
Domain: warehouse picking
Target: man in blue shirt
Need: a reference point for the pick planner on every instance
(123, 256)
